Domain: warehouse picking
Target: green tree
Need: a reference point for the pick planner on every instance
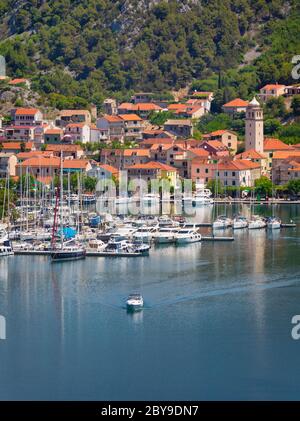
(263, 186)
(296, 105)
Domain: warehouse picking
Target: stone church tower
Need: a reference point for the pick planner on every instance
(254, 130)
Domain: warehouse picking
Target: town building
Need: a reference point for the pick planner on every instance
(152, 170)
(53, 135)
(73, 116)
(271, 91)
(226, 137)
(113, 125)
(133, 126)
(254, 127)
(8, 162)
(180, 128)
(26, 117)
(78, 132)
(235, 106)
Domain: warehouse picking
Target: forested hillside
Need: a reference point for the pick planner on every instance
(91, 48)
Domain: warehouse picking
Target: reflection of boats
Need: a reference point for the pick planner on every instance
(135, 302)
(257, 222)
(222, 222)
(274, 223)
(67, 250)
(240, 222)
(203, 197)
(151, 197)
(188, 235)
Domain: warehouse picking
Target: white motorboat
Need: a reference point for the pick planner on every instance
(166, 235)
(240, 222)
(6, 247)
(274, 223)
(145, 233)
(222, 223)
(257, 222)
(134, 302)
(188, 235)
(96, 246)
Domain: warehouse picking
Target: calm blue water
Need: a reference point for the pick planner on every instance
(216, 325)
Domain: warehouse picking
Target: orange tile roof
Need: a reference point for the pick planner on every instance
(238, 165)
(17, 81)
(26, 111)
(220, 132)
(109, 168)
(75, 163)
(147, 106)
(273, 86)
(250, 154)
(286, 154)
(112, 118)
(126, 106)
(136, 151)
(238, 102)
(216, 144)
(41, 162)
(271, 144)
(16, 145)
(200, 152)
(297, 146)
(64, 148)
(158, 140)
(32, 154)
(54, 131)
(80, 125)
(175, 107)
(130, 117)
(153, 165)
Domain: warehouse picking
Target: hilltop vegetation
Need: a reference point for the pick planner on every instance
(91, 48)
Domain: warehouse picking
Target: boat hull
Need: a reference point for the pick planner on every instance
(65, 255)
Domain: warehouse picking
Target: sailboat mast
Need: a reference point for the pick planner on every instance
(61, 198)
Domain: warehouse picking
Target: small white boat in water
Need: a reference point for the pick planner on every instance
(135, 302)
(6, 247)
(257, 222)
(240, 222)
(188, 235)
(274, 223)
(222, 223)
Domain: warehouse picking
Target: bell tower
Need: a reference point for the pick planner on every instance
(254, 130)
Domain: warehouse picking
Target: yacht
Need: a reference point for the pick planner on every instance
(96, 246)
(165, 220)
(123, 248)
(145, 233)
(240, 222)
(187, 235)
(68, 252)
(6, 248)
(274, 223)
(257, 222)
(134, 302)
(166, 235)
(222, 223)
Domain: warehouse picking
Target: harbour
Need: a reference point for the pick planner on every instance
(73, 316)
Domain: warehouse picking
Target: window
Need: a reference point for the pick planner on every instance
(206, 170)
(233, 182)
(225, 173)
(206, 179)
(198, 170)
(229, 137)
(233, 173)
(229, 144)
